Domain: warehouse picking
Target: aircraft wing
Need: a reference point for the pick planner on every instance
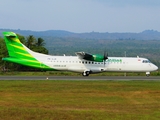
(87, 56)
(83, 55)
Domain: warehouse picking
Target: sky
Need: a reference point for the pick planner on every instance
(81, 15)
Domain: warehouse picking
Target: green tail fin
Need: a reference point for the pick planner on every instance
(18, 53)
(15, 47)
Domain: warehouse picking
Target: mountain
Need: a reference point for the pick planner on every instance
(55, 33)
(145, 35)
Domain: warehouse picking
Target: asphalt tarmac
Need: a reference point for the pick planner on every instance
(118, 78)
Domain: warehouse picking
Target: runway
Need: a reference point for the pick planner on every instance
(118, 78)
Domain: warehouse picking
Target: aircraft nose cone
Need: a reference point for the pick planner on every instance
(155, 67)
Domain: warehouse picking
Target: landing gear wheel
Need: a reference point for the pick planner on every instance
(86, 73)
(147, 74)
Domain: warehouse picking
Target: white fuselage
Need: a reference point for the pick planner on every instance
(121, 64)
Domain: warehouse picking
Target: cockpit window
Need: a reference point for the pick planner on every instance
(146, 61)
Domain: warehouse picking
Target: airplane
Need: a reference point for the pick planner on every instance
(83, 62)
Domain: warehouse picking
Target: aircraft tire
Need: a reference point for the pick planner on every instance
(85, 73)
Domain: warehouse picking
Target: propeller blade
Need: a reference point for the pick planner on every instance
(105, 57)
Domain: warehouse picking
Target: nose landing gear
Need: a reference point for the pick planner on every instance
(147, 74)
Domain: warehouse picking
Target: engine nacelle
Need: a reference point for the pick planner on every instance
(97, 58)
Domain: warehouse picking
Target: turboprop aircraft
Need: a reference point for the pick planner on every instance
(83, 63)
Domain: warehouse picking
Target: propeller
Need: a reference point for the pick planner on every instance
(105, 57)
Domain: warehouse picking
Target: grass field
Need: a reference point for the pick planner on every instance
(79, 100)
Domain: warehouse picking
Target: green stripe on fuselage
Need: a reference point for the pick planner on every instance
(30, 63)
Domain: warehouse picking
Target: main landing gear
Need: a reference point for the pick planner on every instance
(86, 73)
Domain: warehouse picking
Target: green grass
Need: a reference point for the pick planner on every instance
(79, 100)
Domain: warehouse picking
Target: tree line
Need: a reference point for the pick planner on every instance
(33, 43)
